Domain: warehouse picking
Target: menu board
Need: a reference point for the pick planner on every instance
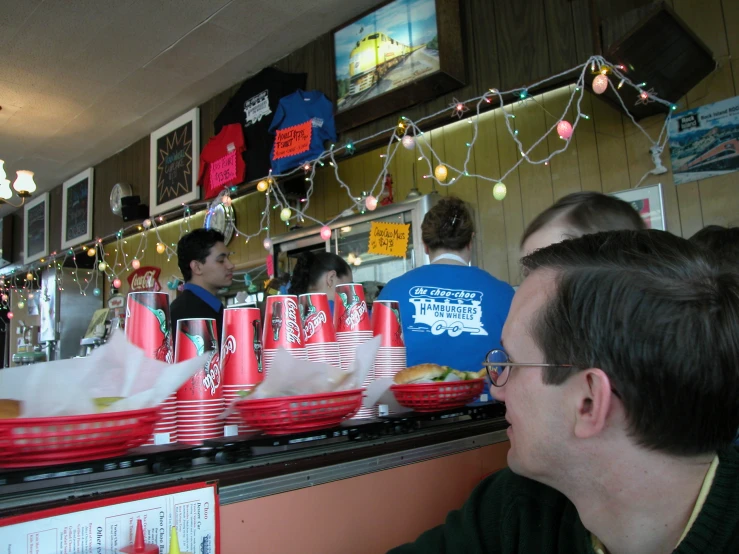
(108, 525)
(36, 238)
(76, 202)
(174, 166)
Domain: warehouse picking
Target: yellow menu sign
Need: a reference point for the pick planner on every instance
(389, 239)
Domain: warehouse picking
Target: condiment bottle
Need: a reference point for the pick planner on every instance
(139, 546)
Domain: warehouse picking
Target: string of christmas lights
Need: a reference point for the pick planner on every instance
(406, 133)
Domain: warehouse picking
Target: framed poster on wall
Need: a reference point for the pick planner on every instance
(174, 157)
(36, 229)
(648, 202)
(397, 55)
(77, 209)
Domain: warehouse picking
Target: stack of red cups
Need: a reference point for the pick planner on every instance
(282, 328)
(353, 327)
(390, 357)
(241, 360)
(319, 336)
(200, 399)
(148, 327)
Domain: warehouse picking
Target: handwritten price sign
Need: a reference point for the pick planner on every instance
(389, 239)
(223, 171)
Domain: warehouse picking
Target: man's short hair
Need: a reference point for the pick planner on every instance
(723, 242)
(661, 318)
(587, 212)
(196, 245)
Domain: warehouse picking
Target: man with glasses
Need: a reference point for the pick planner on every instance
(621, 387)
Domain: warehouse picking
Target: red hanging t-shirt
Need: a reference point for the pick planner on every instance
(221, 161)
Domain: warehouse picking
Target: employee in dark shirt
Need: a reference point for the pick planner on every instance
(203, 260)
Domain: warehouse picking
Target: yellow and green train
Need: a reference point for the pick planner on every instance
(372, 58)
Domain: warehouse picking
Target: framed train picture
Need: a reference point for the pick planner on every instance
(174, 152)
(400, 54)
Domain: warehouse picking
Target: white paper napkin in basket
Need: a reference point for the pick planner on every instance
(117, 369)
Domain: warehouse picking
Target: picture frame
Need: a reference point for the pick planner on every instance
(648, 202)
(36, 229)
(174, 153)
(77, 206)
(401, 53)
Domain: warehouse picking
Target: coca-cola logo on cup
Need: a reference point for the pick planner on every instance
(292, 326)
(212, 379)
(229, 347)
(144, 279)
(354, 315)
(312, 323)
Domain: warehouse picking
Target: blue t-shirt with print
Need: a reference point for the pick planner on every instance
(303, 121)
(451, 314)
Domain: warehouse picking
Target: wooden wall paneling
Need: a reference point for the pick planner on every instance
(350, 172)
(640, 162)
(587, 148)
(456, 137)
(404, 161)
(512, 204)
(560, 34)
(731, 24)
(372, 167)
(491, 230)
(520, 31)
(55, 219)
(609, 135)
(331, 192)
(436, 140)
(706, 19)
(535, 179)
(318, 199)
(582, 25)
(564, 167)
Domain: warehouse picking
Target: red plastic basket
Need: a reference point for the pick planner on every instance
(434, 397)
(41, 441)
(293, 414)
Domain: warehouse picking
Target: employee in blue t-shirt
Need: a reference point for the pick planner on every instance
(452, 313)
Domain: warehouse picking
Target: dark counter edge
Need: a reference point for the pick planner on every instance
(265, 475)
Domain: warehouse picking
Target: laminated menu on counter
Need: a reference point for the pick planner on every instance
(252, 107)
(303, 122)
(109, 525)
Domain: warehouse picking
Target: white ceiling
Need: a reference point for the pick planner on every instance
(82, 79)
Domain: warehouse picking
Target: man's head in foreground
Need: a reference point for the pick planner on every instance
(642, 329)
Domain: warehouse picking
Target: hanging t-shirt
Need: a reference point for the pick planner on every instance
(452, 315)
(302, 123)
(221, 161)
(252, 107)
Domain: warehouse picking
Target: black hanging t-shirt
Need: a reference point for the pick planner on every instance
(253, 106)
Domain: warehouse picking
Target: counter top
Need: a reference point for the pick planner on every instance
(255, 466)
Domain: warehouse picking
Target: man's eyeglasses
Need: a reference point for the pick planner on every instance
(499, 367)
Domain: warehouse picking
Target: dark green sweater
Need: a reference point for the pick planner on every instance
(509, 514)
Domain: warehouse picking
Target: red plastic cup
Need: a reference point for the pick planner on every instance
(147, 324)
(241, 351)
(195, 337)
(282, 323)
(350, 309)
(316, 316)
(386, 322)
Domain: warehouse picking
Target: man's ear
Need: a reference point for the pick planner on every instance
(196, 267)
(594, 399)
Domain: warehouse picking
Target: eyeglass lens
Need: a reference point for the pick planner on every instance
(497, 373)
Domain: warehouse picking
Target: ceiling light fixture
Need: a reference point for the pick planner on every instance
(24, 186)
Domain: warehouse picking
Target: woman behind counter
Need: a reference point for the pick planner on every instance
(452, 313)
(319, 272)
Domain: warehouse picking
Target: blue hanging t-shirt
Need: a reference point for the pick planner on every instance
(452, 315)
(302, 123)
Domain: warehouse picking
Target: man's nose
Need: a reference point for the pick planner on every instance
(498, 393)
